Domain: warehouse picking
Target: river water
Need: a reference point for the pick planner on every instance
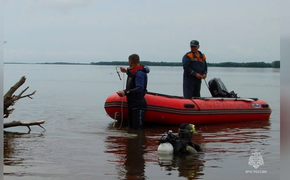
(82, 142)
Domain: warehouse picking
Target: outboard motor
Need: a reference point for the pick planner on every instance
(218, 89)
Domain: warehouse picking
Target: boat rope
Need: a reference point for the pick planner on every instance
(207, 86)
(122, 99)
(118, 72)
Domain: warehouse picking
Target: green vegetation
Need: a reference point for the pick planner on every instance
(65, 63)
(147, 63)
(275, 64)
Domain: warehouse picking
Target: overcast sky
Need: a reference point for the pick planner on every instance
(158, 30)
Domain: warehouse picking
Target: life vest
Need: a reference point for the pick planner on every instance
(192, 57)
(131, 84)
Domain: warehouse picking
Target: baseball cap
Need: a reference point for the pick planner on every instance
(194, 43)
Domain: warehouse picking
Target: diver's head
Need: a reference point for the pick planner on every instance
(186, 131)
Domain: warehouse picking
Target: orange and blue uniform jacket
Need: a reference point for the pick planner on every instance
(193, 65)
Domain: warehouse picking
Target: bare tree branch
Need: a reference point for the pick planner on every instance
(15, 87)
(10, 99)
(28, 95)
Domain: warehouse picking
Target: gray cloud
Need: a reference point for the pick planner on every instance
(90, 31)
(62, 5)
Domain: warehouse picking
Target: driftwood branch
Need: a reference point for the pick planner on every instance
(10, 99)
(15, 87)
(27, 124)
(28, 95)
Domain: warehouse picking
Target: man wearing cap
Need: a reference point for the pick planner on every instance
(195, 69)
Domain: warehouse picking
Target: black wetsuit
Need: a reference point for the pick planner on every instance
(179, 145)
(135, 91)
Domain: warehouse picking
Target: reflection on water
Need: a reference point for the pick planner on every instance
(15, 144)
(130, 150)
(9, 149)
(16, 153)
(189, 166)
(82, 143)
(134, 149)
(233, 137)
(134, 153)
(134, 159)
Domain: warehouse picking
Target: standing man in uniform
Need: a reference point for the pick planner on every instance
(136, 88)
(195, 69)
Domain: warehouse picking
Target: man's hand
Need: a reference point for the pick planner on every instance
(123, 69)
(203, 76)
(121, 93)
(198, 76)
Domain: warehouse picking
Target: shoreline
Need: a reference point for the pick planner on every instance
(274, 64)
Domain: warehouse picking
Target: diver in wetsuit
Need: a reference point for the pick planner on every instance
(182, 143)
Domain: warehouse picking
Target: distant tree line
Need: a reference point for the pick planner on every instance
(64, 63)
(274, 64)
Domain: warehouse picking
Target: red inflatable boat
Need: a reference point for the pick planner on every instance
(223, 107)
(174, 110)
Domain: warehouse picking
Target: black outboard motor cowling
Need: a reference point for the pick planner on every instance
(218, 89)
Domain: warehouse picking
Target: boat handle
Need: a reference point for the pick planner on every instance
(189, 105)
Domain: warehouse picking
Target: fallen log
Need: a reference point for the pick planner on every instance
(27, 124)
